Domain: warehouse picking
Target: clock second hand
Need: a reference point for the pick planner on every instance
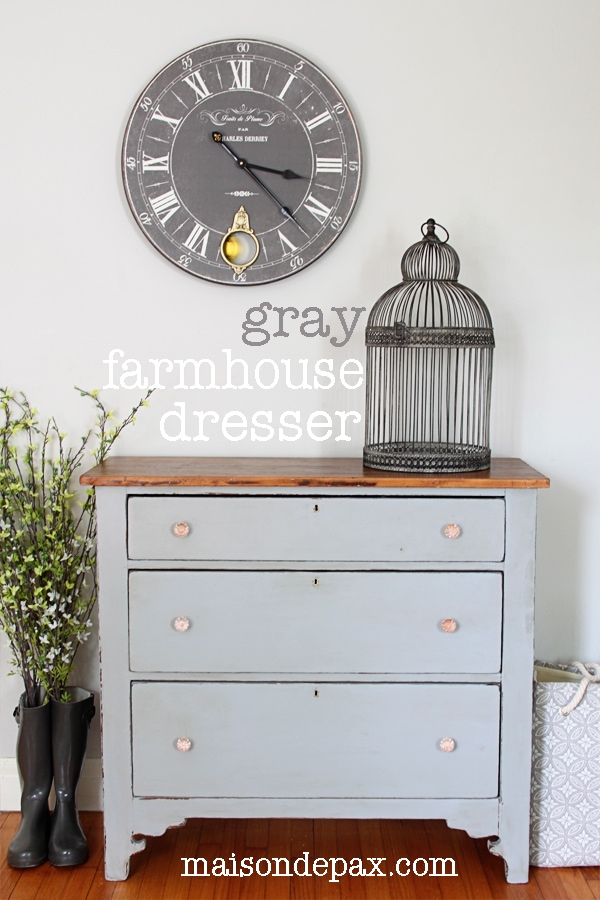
(218, 139)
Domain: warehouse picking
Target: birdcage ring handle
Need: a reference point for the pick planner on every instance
(431, 225)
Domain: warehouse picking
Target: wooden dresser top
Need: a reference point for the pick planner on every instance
(191, 471)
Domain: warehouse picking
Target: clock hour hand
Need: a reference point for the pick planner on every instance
(286, 173)
(242, 164)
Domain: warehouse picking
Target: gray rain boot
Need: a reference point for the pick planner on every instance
(29, 847)
(70, 725)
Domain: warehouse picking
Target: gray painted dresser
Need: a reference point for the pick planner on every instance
(309, 638)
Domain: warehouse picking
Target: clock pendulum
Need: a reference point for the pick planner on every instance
(240, 247)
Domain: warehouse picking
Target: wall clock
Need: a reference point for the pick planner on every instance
(241, 162)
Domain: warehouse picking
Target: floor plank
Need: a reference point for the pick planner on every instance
(563, 884)
(152, 884)
(278, 887)
(371, 845)
(101, 889)
(8, 877)
(32, 882)
(348, 840)
(177, 886)
(302, 841)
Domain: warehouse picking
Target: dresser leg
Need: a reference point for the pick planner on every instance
(117, 853)
(516, 858)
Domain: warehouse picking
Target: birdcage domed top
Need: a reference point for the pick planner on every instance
(430, 305)
(431, 258)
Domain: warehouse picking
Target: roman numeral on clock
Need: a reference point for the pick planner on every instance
(286, 86)
(161, 118)
(197, 84)
(155, 163)
(327, 164)
(318, 120)
(195, 240)
(318, 209)
(286, 245)
(241, 73)
(165, 203)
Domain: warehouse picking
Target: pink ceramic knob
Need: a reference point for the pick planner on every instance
(447, 745)
(183, 744)
(449, 625)
(181, 529)
(452, 531)
(181, 623)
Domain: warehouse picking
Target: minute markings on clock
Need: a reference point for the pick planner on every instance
(177, 97)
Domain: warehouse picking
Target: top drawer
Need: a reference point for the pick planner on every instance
(351, 529)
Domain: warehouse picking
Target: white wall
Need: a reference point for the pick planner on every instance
(482, 114)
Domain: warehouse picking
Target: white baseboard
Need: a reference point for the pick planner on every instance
(89, 792)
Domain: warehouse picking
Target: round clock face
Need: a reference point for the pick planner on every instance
(241, 162)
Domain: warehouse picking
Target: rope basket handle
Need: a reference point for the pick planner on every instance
(590, 673)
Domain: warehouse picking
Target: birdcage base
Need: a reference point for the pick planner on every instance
(407, 457)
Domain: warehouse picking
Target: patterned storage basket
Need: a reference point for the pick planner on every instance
(565, 777)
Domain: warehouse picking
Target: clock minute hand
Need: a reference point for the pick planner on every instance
(218, 139)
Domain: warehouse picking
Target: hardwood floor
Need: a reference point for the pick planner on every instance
(156, 874)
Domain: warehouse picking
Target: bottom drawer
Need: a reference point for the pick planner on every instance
(314, 740)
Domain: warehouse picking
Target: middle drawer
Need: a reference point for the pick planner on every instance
(315, 622)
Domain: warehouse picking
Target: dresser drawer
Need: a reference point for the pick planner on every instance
(316, 528)
(315, 740)
(315, 621)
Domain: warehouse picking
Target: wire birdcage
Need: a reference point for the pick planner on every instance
(430, 343)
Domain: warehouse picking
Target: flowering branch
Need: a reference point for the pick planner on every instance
(48, 581)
